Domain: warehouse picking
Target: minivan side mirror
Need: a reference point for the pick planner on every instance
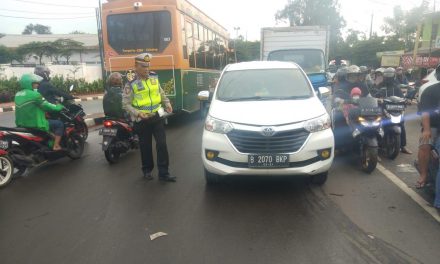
(324, 92)
(203, 96)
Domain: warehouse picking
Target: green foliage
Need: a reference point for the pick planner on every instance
(37, 28)
(5, 54)
(247, 50)
(314, 13)
(9, 87)
(66, 47)
(37, 49)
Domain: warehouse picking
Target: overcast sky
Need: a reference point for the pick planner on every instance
(249, 15)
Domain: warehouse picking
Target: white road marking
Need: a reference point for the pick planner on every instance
(410, 192)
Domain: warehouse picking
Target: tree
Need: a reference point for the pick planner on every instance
(315, 13)
(5, 54)
(247, 50)
(403, 24)
(66, 48)
(37, 28)
(37, 49)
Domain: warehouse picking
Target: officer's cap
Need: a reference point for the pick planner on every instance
(143, 58)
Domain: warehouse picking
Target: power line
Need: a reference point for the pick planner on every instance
(54, 18)
(51, 4)
(44, 13)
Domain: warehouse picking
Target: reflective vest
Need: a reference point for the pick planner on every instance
(146, 95)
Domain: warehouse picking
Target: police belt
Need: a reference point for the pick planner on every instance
(147, 108)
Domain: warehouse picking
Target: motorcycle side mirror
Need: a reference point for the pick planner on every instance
(71, 88)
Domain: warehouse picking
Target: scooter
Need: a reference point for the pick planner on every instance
(118, 138)
(75, 112)
(365, 123)
(393, 111)
(29, 148)
(6, 165)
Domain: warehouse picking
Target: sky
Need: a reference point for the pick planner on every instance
(249, 15)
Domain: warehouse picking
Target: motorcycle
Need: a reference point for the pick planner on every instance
(393, 108)
(6, 165)
(365, 127)
(366, 132)
(75, 112)
(118, 138)
(29, 148)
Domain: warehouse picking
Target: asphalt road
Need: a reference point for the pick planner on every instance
(87, 211)
(90, 107)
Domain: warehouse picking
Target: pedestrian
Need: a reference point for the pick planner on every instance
(144, 100)
(429, 108)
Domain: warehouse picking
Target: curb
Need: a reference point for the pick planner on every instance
(92, 98)
(91, 122)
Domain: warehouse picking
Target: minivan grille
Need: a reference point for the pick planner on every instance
(254, 142)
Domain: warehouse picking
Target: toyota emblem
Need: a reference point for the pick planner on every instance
(268, 131)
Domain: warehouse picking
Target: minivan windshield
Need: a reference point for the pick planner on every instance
(263, 84)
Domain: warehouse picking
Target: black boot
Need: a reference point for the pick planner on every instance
(167, 177)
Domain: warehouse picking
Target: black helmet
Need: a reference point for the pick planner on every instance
(341, 73)
(42, 71)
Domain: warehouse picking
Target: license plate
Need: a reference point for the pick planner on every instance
(395, 107)
(108, 132)
(4, 144)
(268, 161)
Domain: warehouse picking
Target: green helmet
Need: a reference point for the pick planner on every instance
(28, 79)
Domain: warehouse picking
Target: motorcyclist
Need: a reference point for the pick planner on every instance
(31, 108)
(341, 82)
(390, 88)
(46, 89)
(400, 77)
(354, 79)
(365, 77)
(112, 101)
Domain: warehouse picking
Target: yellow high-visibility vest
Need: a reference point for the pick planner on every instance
(146, 95)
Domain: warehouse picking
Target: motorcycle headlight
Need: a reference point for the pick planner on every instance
(370, 123)
(318, 124)
(218, 126)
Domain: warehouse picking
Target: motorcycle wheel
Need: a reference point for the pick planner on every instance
(392, 146)
(111, 156)
(75, 146)
(83, 130)
(18, 169)
(6, 170)
(368, 159)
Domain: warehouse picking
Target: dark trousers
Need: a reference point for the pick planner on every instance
(402, 135)
(146, 130)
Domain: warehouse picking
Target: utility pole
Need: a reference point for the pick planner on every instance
(416, 44)
(100, 40)
(235, 42)
(371, 25)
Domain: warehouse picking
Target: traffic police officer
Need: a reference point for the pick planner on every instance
(144, 100)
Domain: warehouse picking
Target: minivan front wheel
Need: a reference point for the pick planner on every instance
(319, 179)
(211, 178)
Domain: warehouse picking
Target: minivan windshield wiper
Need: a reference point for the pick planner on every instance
(249, 98)
(264, 98)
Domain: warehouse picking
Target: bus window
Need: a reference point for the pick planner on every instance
(139, 32)
(196, 31)
(190, 43)
(184, 45)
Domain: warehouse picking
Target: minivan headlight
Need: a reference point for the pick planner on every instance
(318, 124)
(218, 126)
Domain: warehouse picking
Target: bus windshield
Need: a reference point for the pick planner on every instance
(311, 61)
(139, 32)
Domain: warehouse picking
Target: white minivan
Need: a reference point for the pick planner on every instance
(266, 119)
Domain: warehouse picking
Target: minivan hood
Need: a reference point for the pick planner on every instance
(267, 113)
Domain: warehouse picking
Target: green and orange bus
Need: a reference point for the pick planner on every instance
(189, 48)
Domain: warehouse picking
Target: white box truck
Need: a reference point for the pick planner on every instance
(305, 45)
